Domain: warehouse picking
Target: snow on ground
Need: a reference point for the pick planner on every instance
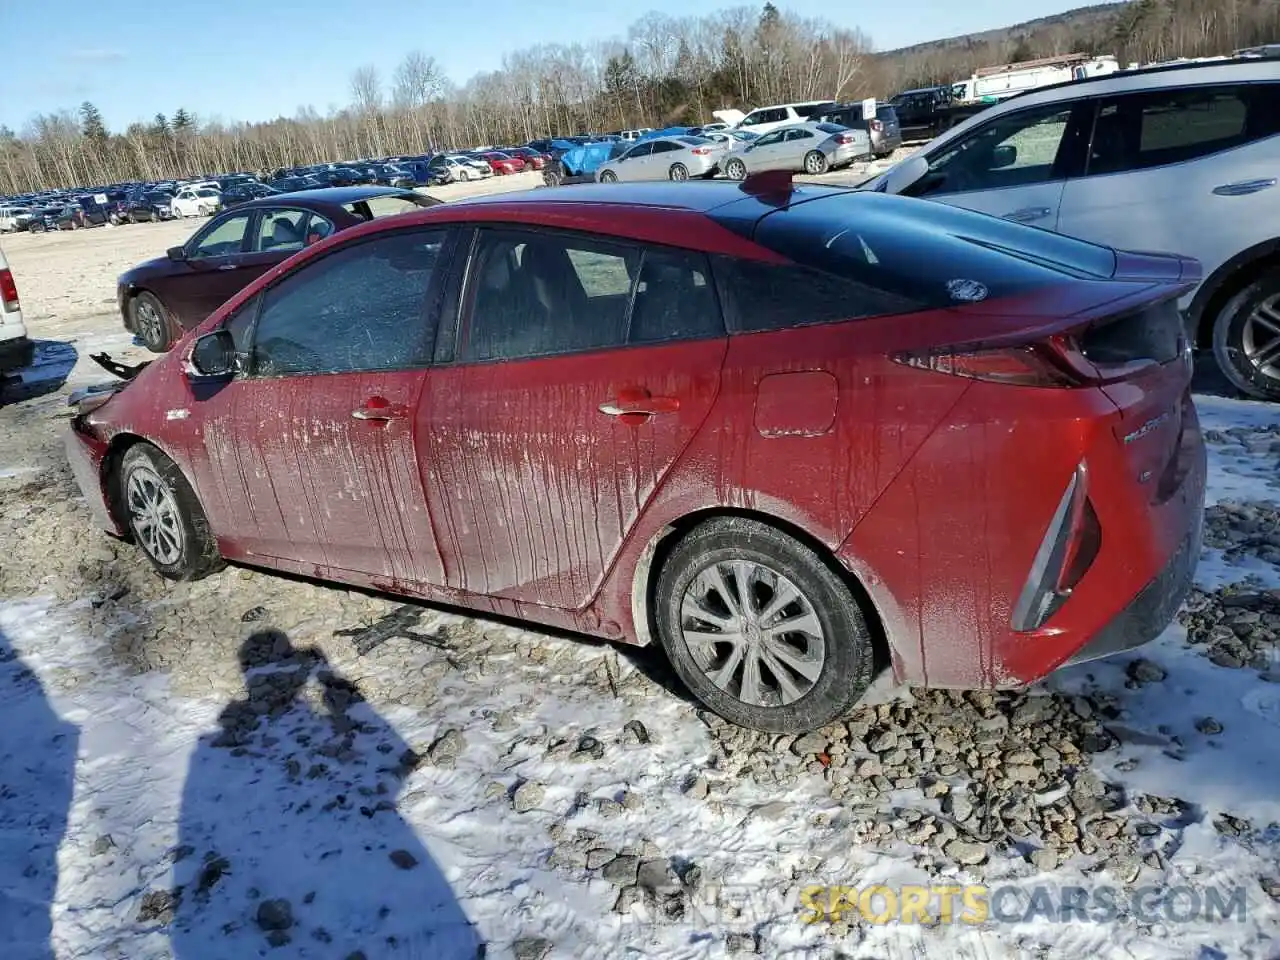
(517, 806)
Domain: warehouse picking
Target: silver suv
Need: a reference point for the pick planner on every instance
(1183, 158)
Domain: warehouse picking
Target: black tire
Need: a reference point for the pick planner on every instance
(464, 176)
(848, 656)
(551, 176)
(678, 172)
(815, 163)
(735, 169)
(35, 228)
(147, 477)
(608, 176)
(1230, 329)
(155, 331)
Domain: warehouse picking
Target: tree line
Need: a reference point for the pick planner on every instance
(666, 71)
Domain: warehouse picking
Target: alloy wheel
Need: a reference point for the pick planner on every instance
(1260, 338)
(147, 318)
(153, 514)
(812, 164)
(753, 633)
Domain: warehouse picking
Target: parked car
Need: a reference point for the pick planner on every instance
(533, 160)
(16, 349)
(665, 158)
(925, 112)
(1178, 158)
(341, 177)
(67, 216)
(883, 129)
(14, 219)
(196, 202)
(896, 408)
(294, 184)
(764, 120)
(501, 163)
(244, 191)
(457, 168)
(152, 205)
(161, 299)
(812, 147)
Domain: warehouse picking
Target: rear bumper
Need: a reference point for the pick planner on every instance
(1153, 609)
(16, 354)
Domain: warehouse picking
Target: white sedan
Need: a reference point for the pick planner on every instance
(201, 202)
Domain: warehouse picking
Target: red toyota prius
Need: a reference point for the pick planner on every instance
(791, 433)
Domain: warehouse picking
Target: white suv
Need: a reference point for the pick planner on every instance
(763, 120)
(1183, 158)
(15, 349)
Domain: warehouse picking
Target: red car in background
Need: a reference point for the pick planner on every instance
(503, 163)
(532, 158)
(789, 433)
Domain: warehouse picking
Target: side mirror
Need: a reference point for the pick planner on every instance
(177, 254)
(214, 355)
(905, 174)
(1005, 155)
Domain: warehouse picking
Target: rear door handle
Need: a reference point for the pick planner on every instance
(380, 408)
(1243, 187)
(1027, 214)
(228, 266)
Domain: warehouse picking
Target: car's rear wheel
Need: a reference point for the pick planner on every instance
(1246, 338)
(735, 170)
(164, 516)
(203, 210)
(815, 162)
(760, 628)
(678, 171)
(464, 176)
(151, 322)
(608, 176)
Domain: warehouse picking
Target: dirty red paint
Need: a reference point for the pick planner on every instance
(535, 489)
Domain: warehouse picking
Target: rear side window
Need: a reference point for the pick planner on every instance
(674, 300)
(1142, 130)
(363, 307)
(765, 296)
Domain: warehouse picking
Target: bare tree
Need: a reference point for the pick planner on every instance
(366, 89)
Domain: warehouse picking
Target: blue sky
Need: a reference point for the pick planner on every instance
(258, 59)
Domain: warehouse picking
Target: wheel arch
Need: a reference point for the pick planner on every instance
(653, 556)
(120, 444)
(1225, 282)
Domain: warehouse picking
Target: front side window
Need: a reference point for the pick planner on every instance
(770, 138)
(363, 307)
(638, 151)
(1152, 129)
(1015, 150)
(221, 239)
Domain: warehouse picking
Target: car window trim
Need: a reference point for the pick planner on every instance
(212, 225)
(465, 293)
(306, 212)
(432, 305)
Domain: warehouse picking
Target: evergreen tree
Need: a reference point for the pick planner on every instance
(182, 120)
(91, 124)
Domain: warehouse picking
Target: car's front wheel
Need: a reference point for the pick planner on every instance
(464, 176)
(151, 322)
(735, 170)
(164, 516)
(760, 628)
(1246, 338)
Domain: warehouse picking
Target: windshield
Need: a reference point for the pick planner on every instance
(206, 192)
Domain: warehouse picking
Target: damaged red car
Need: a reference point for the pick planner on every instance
(793, 434)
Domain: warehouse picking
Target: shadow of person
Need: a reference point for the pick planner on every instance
(37, 780)
(290, 840)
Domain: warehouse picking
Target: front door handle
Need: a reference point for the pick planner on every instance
(380, 408)
(1027, 214)
(636, 405)
(1243, 188)
(228, 266)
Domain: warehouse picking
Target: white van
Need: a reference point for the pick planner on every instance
(15, 349)
(764, 119)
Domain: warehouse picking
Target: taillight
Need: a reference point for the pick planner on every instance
(877, 126)
(1068, 549)
(700, 151)
(844, 138)
(8, 291)
(1053, 362)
